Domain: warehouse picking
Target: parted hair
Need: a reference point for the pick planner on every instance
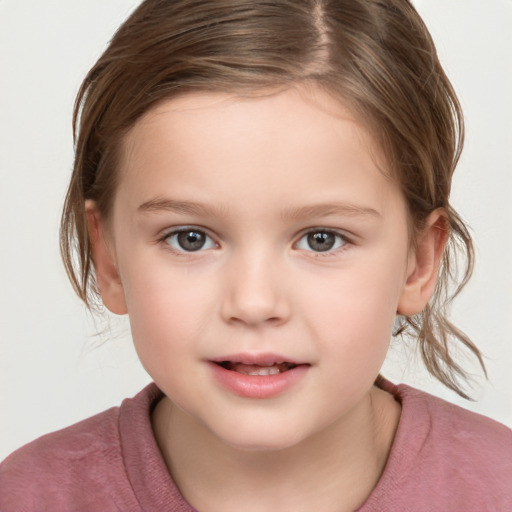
(376, 56)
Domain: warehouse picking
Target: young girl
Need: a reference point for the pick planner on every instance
(263, 188)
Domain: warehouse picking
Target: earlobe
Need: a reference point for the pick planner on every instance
(108, 280)
(424, 262)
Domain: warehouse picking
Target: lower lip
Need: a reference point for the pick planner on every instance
(258, 386)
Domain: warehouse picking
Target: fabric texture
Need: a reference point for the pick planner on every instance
(443, 458)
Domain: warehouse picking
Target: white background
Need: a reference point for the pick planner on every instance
(53, 370)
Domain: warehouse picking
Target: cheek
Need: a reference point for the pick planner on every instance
(165, 307)
(353, 313)
(362, 296)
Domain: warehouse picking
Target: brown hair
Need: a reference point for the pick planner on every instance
(377, 56)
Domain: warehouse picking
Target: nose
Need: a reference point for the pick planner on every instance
(255, 292)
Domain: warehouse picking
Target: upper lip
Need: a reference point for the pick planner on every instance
(264, 359)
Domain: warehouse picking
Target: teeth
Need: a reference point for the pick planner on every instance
(269, 370)
(257, 369)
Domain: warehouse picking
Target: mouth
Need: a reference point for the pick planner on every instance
(258, 376)
(257, 369)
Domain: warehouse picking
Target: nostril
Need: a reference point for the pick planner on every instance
(253, 301)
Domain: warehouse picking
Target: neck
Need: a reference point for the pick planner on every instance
(345, 461)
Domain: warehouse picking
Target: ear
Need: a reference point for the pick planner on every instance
(423, 265)
(108, 280)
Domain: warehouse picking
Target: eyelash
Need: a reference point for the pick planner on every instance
(341, 240)
(184, 230)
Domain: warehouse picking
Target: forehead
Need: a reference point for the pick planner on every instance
(303, 108)
(296, 141)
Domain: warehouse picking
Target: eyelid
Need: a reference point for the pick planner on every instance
(176, 230)
(166, 232)
(346, 240)
(164, 235)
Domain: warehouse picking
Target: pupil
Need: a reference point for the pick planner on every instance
(191, 240)
(321, 241)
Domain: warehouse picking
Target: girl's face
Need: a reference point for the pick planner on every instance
(262, 255)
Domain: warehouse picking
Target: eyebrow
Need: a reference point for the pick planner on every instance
(324, 210)
(184, 207)
(296, 213)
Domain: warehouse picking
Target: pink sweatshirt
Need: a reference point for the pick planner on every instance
(444, 458)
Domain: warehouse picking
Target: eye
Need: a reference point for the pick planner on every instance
(321, 240)
(189, 240)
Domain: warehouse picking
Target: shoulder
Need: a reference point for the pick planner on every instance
(447, 457)
(60, 466)
(452, 427)
(69, 467)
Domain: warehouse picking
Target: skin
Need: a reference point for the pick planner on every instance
(263, 171)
